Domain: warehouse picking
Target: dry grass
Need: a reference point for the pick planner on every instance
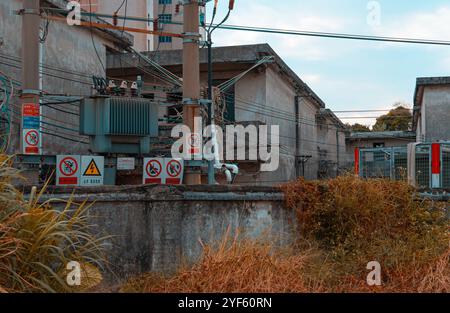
(348, 222)
(37, 242)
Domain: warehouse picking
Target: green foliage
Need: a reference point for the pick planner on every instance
(358, 128)
(398, 119)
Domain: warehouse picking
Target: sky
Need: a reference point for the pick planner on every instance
(348, 74)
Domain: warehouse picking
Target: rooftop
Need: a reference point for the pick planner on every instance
(381, 135)
(241, 57)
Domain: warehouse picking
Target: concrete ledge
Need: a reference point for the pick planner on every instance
(163, 193)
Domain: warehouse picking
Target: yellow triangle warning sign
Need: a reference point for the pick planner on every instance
(92, 169)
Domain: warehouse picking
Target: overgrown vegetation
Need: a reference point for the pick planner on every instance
(37, 242)
(343, 224)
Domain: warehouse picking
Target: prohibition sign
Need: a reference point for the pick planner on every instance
(153, 168)
(173, 168)
(70, 166)
(32, 138)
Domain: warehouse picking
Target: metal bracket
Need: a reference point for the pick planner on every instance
(205, 102)
(189, 101)
(30, 92)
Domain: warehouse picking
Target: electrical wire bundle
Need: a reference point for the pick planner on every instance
(7, 89)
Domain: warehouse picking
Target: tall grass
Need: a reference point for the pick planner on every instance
(344, 224)
(37, 242)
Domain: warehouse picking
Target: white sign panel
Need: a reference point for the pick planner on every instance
(68, 170)
(30, 140)
(125, 164)
(153, 171)
(174, 171)
(92, 170)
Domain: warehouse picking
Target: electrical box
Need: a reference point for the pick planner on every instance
(119, 124)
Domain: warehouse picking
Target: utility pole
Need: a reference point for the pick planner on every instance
(30, 76)
(191, 75)
(209, 43)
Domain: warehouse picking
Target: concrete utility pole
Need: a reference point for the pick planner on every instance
(30, 56)
(191, 75)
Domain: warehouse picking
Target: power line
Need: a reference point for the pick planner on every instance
(286, 31)
(92, 38)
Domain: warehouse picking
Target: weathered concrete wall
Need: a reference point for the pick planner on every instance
(158, 228)
(436, 109)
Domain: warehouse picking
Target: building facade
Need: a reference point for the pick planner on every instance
(432, 109)
(168, 13)
(312, 138)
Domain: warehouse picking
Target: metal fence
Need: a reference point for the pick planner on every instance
(393, 163)
(384, 163)
(445, 151)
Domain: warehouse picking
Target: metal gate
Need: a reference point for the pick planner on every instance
(384, 163)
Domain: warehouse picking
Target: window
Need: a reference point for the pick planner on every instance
(165, 1)
(165, 39)
(379, 145)
(165, 18)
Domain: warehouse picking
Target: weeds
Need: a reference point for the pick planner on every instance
(347, 222)
(37, 242)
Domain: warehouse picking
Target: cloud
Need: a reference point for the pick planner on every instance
(432, 25)
(261, 15)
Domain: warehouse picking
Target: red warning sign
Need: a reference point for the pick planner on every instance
(30, 109)
(153, 171)
(194, 143)
(31, 141)
(68, 170)
(174, 170)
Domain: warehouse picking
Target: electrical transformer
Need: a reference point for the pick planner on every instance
(119, 124)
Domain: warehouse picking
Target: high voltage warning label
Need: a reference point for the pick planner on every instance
(92, 169)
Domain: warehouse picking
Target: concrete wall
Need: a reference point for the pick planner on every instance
(157, 228)
(436, 113)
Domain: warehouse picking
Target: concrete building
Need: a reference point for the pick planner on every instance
(135, 8)
(70, 55)
(270, 94)
(432, 109)
(162, 10)
(170, 11)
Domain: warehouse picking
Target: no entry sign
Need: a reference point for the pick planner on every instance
(31, 137)
(163, 171)
(153, 171)
(68, 170)
(174, 170)
(30, 141)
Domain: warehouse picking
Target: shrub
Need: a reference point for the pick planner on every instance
(37, 242)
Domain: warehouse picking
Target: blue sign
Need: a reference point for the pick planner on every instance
(30, 122)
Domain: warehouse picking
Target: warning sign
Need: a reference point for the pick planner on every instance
(174, 170)
(153, 171)
(92, 170)
(67, 170)
(194, 144)
(30, 110)
(30, 140)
